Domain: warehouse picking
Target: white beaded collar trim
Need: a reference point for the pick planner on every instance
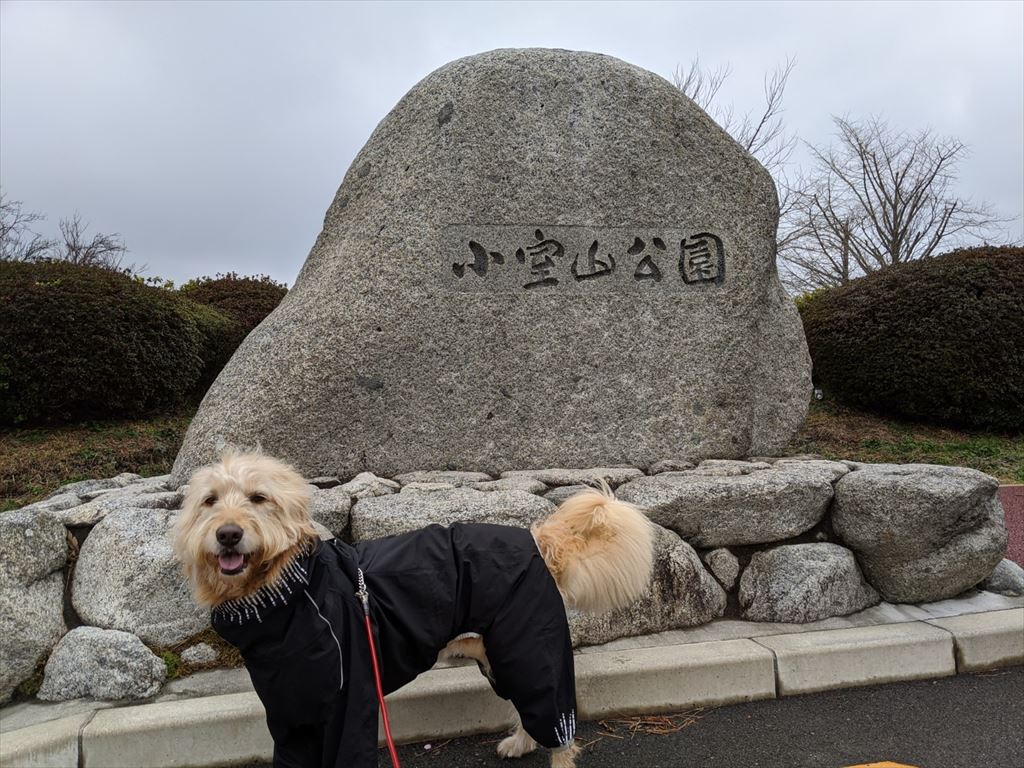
(244, 609)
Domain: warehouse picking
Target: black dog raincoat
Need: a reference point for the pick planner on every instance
(304, 641)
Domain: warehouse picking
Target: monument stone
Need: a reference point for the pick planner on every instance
(540, 258)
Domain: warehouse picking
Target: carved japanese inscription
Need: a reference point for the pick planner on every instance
(559, 258)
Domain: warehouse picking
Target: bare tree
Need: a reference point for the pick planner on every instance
(880, 197)
(762, 134)
(875, 198)
(106, 251)
(18, 239)
(819, 253)
(699, 84)
(20, 242)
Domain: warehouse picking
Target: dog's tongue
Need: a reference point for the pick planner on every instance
(231, 561)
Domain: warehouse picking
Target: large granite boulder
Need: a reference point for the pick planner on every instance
(722, 506)
(540, 258)
(33, 544)
(379, 516)
(55, 503)
(101, 664)
(128, 578)
(85, 487)
(135, 496)
(798, 583)
(921, 532)
(33, 550)
(31, 622)
(682, 594)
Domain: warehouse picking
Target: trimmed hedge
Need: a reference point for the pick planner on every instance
(940, 339)
(247, 299)
(82, 342)
(219, 337)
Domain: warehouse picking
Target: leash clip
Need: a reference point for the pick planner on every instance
(361, 593)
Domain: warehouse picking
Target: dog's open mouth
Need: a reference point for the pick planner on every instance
(232, 563)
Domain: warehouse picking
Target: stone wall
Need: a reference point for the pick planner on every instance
(794, 539)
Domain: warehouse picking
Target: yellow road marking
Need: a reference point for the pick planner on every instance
(886, 764)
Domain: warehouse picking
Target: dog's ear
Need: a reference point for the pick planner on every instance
(198, 487)
(184, 533)
(291, 492)
(292, 495)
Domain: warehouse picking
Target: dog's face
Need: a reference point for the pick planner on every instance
(243, 519)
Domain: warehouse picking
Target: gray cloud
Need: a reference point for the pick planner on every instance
(213, 136)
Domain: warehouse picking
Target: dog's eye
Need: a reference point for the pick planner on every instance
(257, 498)
(210, 501)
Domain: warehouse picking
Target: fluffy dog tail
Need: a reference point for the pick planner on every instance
(600, 551)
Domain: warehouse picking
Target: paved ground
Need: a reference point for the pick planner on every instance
(967, 721)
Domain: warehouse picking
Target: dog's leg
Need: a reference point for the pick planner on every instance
(519, 743)
(565, 758)
(468, 648)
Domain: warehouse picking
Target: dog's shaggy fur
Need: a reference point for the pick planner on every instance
(598, 549)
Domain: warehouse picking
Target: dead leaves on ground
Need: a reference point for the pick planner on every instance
(650, 725)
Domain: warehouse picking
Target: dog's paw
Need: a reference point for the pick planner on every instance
(516, 745)
(565, 758)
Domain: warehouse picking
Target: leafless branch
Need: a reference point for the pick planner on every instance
(699, 84)
(881, 197)
(18, 239)
(763, 135)
(766, 137)
(102, 250)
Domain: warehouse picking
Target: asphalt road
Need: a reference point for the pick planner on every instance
(969, 721)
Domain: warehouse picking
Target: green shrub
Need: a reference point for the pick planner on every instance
(80, 342)
(219, 337)
(247, 299)
(940, 339)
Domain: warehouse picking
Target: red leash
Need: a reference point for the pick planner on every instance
(365, 597)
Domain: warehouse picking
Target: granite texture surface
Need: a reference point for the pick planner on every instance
(540, 258)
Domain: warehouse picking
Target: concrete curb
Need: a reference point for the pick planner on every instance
(228, 729)
(986, 640)
(447, 703)
(55, 743)
(844, 658)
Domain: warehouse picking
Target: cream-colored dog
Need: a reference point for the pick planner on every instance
(246, 519)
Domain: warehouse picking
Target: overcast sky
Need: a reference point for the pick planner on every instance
(213, 136)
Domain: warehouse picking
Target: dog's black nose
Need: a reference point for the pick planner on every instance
(229, 535)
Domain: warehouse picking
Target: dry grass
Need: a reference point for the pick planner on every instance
(653, 725)
(838, 432)
(227, 655)
(34, 462)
